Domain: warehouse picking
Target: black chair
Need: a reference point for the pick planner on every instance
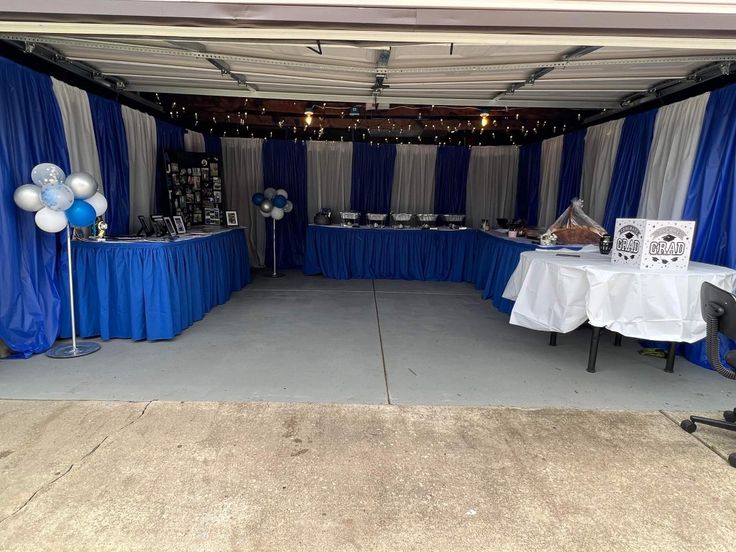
(719, 312)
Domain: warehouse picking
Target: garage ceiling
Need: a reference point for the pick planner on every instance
(416, 55)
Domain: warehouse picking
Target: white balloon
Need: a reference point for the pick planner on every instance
(269, 193)
(288, 207)
(47, 173)
(277, 213)
(82, 184)
(282, 192)
(28, 197)
(99, 202)
(51, 221)
(265, 215)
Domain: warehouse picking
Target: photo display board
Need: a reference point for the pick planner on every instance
(194, 182)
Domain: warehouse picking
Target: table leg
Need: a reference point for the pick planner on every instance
(670, 365)
(593, 353)
(553, 339)
(617, 339)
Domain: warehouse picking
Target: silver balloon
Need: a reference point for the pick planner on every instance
(269, 193)
(82, 184)
(266, 206)
(47, 173)
(282, 192)
(28, 197)
(288, 207)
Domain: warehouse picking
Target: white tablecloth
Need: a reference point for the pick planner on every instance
(557, 294)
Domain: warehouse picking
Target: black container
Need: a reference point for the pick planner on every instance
(605, 244)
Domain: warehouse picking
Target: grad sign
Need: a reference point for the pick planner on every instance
(667, 244)
(628, 241)
(653, 244)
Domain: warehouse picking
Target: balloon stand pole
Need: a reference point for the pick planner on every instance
(76, 349)
(275, 274)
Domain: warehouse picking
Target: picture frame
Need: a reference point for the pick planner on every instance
(181, 228)
(170, 228)
(231, 218)
(159, 226)
(145, 227)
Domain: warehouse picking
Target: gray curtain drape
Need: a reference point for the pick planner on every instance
(671, 157)
(549, 180)
(601, 147)
(194, 141)
(329, 176)
(242, 168)
(78, 129)
(413, 187)
(491, 192)
(140, 131)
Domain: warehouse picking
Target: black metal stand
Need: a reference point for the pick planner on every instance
(593, 352)
(617, 339)
(670, 365)
(553, 339)
(728, 423)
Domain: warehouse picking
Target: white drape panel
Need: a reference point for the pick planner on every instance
(78, 129)
(194, 141)
(671, 158)
(329, 176)
(549, 180)
(599, 158)
(491, 191)
(140, 131)
(242, 167)
(413, 186)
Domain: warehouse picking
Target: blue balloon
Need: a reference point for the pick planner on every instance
(81, 214)
(258, 198)
(279, 201)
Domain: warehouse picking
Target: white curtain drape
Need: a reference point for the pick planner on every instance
(242, 167)
(329, 176)
(78, 129)
(140, 131)
(413, 186)
(599, 158)
(671, 157)
(194, 141)
(549, 180)
(491, 190)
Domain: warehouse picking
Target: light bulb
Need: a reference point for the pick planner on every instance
(484, 121)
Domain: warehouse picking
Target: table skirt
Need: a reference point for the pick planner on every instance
(153, 290)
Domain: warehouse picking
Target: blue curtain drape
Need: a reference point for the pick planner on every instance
(711, 200)
(451, 177)
(31, 132)
(112, 149)
(285, 166)
(527, 191)
(630, 168)
(373, 175)
(212, 144)
(571, 168)
(169, 138)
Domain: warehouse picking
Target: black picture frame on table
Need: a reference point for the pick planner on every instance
(181, 228)
(170, 228)
(146, 228)
(231, 218)
(159, 225)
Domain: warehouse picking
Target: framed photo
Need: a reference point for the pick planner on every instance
(170, 228)
(231, 218)
(145, 227)
(181, 228)
(158, 224)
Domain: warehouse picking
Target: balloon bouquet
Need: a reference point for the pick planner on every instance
(60, 202)
(273, 203)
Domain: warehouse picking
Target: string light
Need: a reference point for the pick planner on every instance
(308, 116)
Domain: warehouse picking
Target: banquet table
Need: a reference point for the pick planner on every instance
(389, 253)
(154, 289)
(556, 292)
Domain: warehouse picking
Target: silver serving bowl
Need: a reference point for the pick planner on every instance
(428, 218)
(349, 217)
(401, 217)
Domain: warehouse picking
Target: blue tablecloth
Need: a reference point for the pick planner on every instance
(153, 290)
(387, 253)
(496, 258)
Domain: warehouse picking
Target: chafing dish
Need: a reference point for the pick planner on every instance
(349, 218)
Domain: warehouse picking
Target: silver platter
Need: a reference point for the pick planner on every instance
(83, 348)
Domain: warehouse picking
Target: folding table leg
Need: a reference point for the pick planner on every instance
(670, 366)
(593, 353)
(617, 339)
(553, 339)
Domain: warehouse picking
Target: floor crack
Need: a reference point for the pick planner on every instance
(49, 484)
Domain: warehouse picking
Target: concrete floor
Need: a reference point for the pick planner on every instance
(201, 476)
(310, 339)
